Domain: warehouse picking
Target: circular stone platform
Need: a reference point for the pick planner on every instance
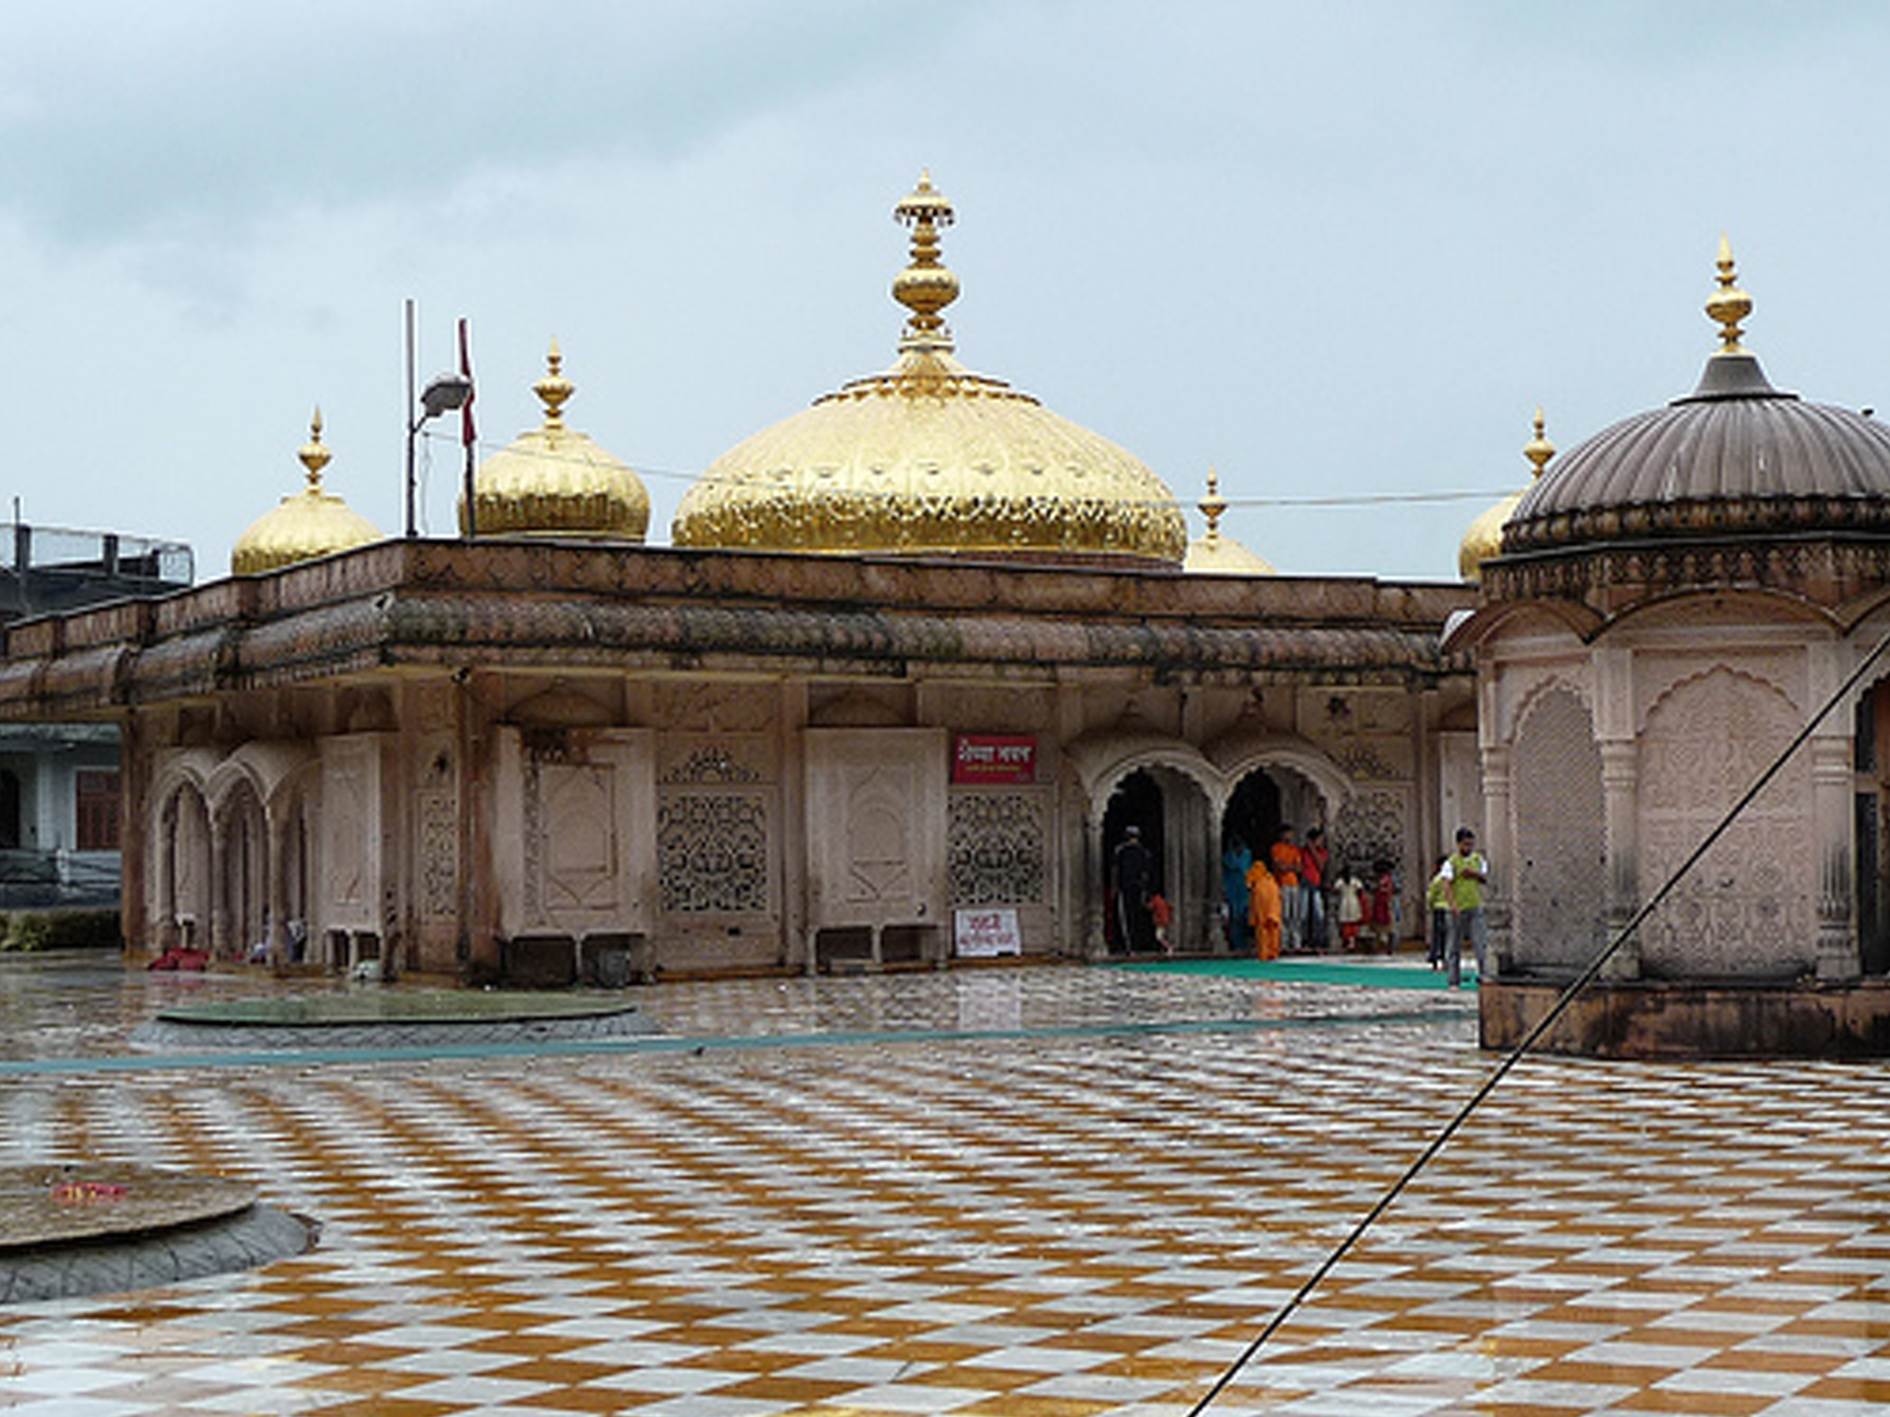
(95, 1228)
(396, 1007)
(380, 1017)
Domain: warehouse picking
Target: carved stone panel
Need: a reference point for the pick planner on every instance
(876, 828)
(572, 831)
(713, 851)
(1748, 908)
(436, 825)
(999, 845)
(1560, 891)
(357, 822)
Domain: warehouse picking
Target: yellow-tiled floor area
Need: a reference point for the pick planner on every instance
(1049, 1193)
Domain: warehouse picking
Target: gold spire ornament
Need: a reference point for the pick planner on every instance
(1729, 304)
(306, 525)
(1213, 506)
(1538, 449)
(314, 457)
(1217, 554)
(926, 286)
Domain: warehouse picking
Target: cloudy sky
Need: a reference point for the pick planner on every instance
(1339, 252)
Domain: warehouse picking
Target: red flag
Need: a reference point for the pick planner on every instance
(466, 434)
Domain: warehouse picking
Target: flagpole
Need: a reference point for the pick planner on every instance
(467, 435)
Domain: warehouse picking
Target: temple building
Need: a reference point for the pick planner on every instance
(917, 659)
(1671, 603)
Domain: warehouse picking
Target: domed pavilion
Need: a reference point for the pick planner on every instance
(556, 481)
(1671, 605)
(919, 659)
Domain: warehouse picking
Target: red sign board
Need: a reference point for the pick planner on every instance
(994, 758)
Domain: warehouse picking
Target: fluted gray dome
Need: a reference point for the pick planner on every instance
(1735, 455)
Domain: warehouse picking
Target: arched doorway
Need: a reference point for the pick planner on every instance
(243, 856)
(183, 870)
(11, 835)
(1262, 802)
(1135, 802)
(1173, 816)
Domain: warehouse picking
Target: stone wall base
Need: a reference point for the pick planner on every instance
(1664, 1019)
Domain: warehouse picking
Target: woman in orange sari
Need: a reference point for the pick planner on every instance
(1264, 910)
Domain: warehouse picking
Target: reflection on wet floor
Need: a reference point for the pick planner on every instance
(1053, 1191)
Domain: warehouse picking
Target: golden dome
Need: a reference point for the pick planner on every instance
(929, 458)
(1485, 537)
(1219, 555)
(553, 481)
(304, 525)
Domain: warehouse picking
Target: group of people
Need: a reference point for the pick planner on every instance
(1288, 899)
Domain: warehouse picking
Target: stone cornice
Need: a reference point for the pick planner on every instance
(1817, 568)
(443, 605)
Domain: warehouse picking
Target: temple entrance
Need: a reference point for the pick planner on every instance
(1170, 816)
(1262, 803)
(1135, 807)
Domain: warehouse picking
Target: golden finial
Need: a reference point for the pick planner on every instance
(1539, 449)
(925, 287)
(313, 455)
(1729, 304)
(554, 388)
(1212, 506)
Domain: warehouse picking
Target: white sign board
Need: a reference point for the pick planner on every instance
(982, 933)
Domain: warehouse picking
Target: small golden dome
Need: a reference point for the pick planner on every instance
(554, 481)
(929, 458)
(304, 525)
(1214, 554)
(1485, 537)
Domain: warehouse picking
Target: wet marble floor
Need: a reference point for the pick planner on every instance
(1035, 1191)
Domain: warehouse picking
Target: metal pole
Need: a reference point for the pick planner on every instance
(408, 420)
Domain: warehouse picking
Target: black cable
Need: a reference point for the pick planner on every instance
(1515, 1055)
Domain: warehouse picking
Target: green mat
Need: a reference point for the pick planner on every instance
(1364, 973)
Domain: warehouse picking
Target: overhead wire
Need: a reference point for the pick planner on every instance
(1334, 500)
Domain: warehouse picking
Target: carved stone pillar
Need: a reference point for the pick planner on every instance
(1620, 783)
(221, 884)
(1831, 779)
(1095, 937)
(1501, 837)
(276, 889)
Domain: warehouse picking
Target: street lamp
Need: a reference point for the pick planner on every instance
(446, 394)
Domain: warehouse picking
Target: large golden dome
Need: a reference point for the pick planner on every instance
(1484, 539)
(929, 458)
(304, 525)
(554, 481)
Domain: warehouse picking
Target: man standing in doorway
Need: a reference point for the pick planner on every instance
(1133, 869)
(1467, 872)
(1283, 856)
(1313, 860)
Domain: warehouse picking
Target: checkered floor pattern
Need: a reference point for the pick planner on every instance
(1037, 1226)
